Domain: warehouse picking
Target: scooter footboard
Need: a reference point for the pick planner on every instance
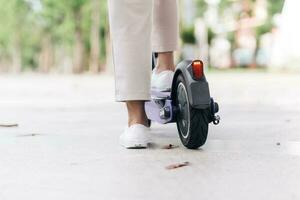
(159, 110)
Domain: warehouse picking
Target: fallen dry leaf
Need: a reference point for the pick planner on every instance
(178, 165)
(170, 146)
(8, 125)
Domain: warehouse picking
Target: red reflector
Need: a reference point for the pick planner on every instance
(197, 69)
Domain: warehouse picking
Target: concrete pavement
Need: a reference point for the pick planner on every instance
(66, 144)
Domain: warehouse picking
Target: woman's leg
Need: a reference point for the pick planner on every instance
(165, 61)
(136, 113)
(165, 33)
(130, 23)
(130, 26)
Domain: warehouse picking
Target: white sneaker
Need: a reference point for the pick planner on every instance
(162, 81)
(135, 136)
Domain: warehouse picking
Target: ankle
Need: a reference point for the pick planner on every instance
(136, 113)
(165, 62)
(143, 121)
(161, 68)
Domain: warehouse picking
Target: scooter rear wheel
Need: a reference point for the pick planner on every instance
(192, 124)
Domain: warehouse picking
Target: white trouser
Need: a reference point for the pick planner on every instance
(138, 28)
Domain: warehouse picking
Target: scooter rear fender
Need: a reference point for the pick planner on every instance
(197, 90)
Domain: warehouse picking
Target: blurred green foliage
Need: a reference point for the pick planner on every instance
(275, 6)
(32, 30)
(26, 24)
(187, 35)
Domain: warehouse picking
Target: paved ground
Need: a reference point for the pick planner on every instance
(66, 145)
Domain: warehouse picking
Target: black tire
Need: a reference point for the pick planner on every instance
(192, 124)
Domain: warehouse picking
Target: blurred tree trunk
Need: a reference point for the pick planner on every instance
(46, 59)
(79, 44)
(16, 53)
(95, 37)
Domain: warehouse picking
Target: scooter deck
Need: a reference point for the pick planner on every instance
(159, 108)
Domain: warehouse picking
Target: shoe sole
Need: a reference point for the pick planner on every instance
(134, 145)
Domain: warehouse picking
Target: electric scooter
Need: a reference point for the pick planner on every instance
(188, 104)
